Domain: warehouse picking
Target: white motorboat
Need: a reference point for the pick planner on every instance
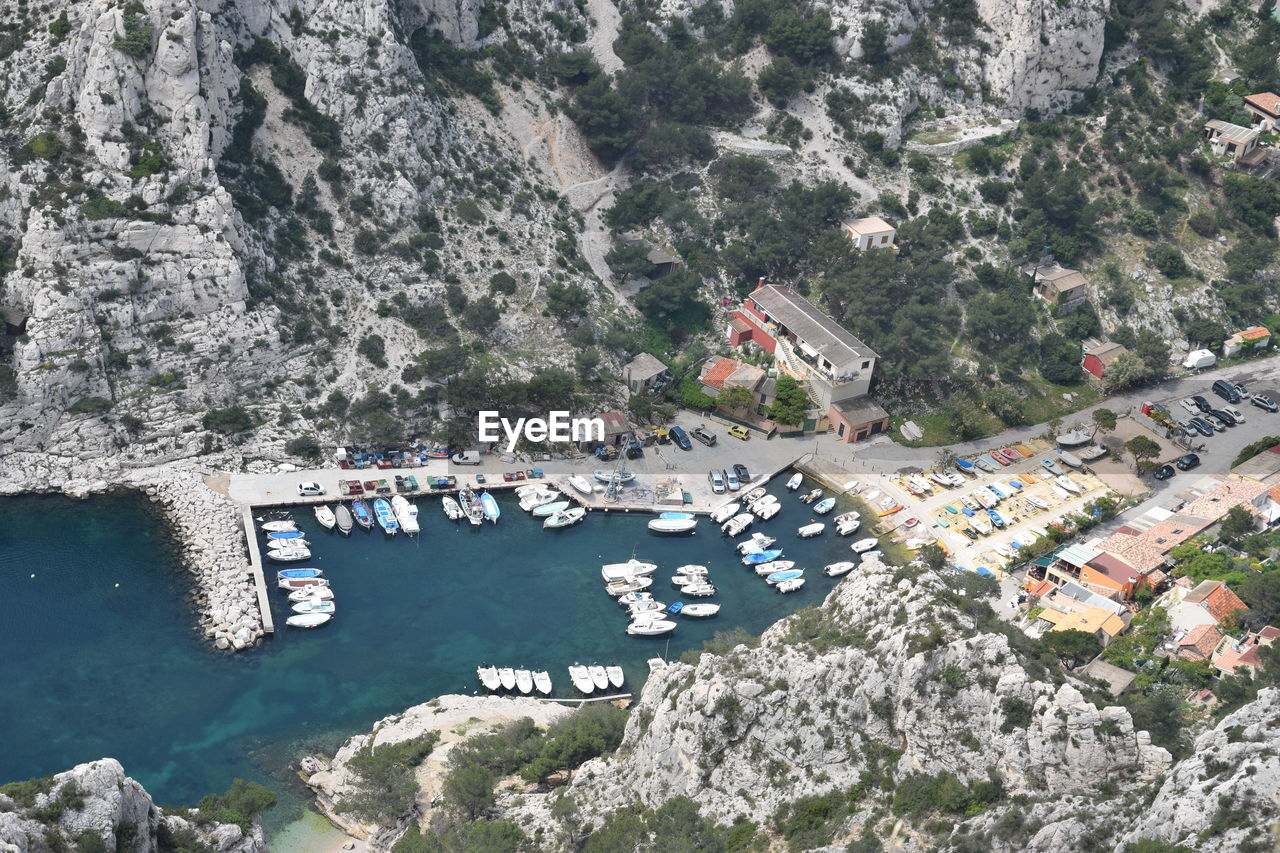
(1092, 452)
(630, 569)
(811, 496)
(308, 620)
(1004, 551)
(319, 593)
(626, 585)
(738, 524)
(581, 679)
(567, 518)
(835, 570)
(955, 478)
(282, 526)
(292, 584)
(846, 517)
(754, 495)
(1068, 458)
(289, 555)
(1075, 438)
(848, 527)
(452, 510)
(981, 525)
(314, 606)
(286, 544)
(550, 509)
(683, 581)
(938, 477)
(599, 677)
(764, 569)
(795, 481)
(768, 511)
(698, 590)
(507, 676)
(810, 530)
(723, 513)
(634, 597)
(581, 484)
(542, 682)
(756, 542)
(824, 506)
(1069, 484)
(325, 516)
(871, 495)
(1038, 501)
(536, 498)
(643, 609)
(655, 664)
(700, 610)
(616, 676)
(406, 513)
(524, 681)
(692, 570)
(651, 628)
(673, 525)
(864, 545)
(1060, 493)
(762, 502)
(488, 676)
(789, 586)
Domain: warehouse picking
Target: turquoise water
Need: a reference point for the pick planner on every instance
(91, 669)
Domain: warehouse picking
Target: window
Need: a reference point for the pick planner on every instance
(884, 239)
(840, 432)
(866, 365)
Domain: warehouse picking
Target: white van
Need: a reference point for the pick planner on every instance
(467, 457)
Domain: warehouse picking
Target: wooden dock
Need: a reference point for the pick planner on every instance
(255, 569)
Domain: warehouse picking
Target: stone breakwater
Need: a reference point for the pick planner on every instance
(205, 525)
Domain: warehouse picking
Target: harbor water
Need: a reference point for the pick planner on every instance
(101, 657)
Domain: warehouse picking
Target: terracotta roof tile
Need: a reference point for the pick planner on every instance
(1199, 642)
(716, 370)
(1217, 598)
(1265, 101)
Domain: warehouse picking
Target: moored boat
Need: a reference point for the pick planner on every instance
(308, 620)
(630, 568)
(279, 526)
(364, 516)
(673, 525)
(489, 505)
(581, 679)
(386, 517)
(298, 573)
(289, 555)
(542, 682)
(314, 606)
(343, 518)
(835, 570)
(566, 518)
(545, 510)
(323, 593)
(524, 681)
(301, 583)
(616, 676)
(755, 494)
(795, 481)
(529, 501)
(784, 575)
(507, 678)
(599, 677)
(738, 524)
(811, 530)
(325, 516)
(651, 628)
(451, 508)
(699, 610)
(488, 676)
(765, 569)
(811, 496)
(285, 535)
(725, 512)
(768, 511)
(287, 545)
(406, 514)
(756, 557)
(824, 506)
(864, 545)
(755, 542)
(789, 585)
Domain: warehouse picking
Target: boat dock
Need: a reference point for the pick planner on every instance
(255, 569)
(587, 701)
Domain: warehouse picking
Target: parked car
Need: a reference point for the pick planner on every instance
(732, 480)
(1241, 390)
(1189, 404)
(1224, 416)
(739, 432)
(1202, 426)
(634, 450)
(467, 457)
(1164, 472)
(1220, 426)
(717, 481)
(741, 471)
(680, 437)
(1235, 413)
(704, 435)
(1201, 403)
(1226, 391)
(1188, 462)
(1262, 401)
(310, 489)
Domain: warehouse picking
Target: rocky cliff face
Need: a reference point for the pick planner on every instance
(97, 799)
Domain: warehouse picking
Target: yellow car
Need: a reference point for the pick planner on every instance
(739, 432)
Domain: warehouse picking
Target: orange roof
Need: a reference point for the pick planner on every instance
(1233, 656)
(1090, 620)
(716, 370)
(1042, 589)
(1201, 640)
(1270, 632)
(1265, 101)
(1254, 333)
(1134, 550)
(1217, 598)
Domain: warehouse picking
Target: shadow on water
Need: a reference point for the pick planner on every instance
(93, 670)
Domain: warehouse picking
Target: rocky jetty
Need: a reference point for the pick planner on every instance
(98, 800)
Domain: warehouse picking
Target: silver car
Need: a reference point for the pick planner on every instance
(732, 479)
(717, 481)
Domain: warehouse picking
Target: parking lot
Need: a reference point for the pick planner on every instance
(1218, 452)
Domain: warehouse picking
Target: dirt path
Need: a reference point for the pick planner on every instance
(605, 32)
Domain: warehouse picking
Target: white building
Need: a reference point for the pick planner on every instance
(870, 233)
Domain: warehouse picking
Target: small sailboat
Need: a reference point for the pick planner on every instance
(542, 682)
(673, 525)
(451, 508)
(314, 606)
(616, 676)
(724, 513)
(325, 516)
(386, 517)
(835, 570)
(524, 681)
(364, 516)
(550, 509)
(789, 585)
(344, 520)
(699, 610)
(308, 620)
(507, 678)
(795, 481)
(406, 514)
(581, 679)
(567, 518)
(810, 530)
(489, 505)
(581, 484)
(488, 676)
(824, 506)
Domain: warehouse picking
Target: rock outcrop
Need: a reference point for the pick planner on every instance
(97, 799)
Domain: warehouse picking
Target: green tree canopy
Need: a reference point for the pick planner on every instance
(1072, 646)
(791, 404)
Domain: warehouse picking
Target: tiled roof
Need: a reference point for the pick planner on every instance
(1254, 333)
(1235, 655)
(1090, 620)
(869, 225)
(1172, 532)
(1217, 598)
(1107, 352)
(745, 376)
(1215, 503)
(1060, 279)
(1112, 567)
(1137, 551)
(1270, 632)
(1200, 641)
(1268, 102)
(1042, 588)
(716, 370)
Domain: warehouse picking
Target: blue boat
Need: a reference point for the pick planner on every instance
(676, 607)
(1016, 485)
(967, 511)
(997, 492)
(965, 465)
(996, 518)
(360, 510)
(386, 516)
(286, 534)
(786, 575)
(761, 557)
(299, 573)
(677, 516)
(986, 573)
(489, 505)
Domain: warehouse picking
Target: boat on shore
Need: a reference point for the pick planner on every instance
(386, 517)
(342, 517)
(364, 516)
(619, 477)
(1092, 452)
(581, 484)
(1069, 458)
(673, 526)
(406, 514)
(325, 516)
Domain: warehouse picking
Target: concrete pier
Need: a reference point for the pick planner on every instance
(256, 570)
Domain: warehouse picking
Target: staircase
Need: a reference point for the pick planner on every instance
(790, 360)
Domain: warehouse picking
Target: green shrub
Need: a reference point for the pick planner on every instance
(242, 802)
(91, 406)
(468, 211)
(60, 27)
(25, 793)
(502, 282)
(373, 348)
(136, 41)
(228, 421)
(305, 446)
(46, 145)
(101, 207)
(385, 788)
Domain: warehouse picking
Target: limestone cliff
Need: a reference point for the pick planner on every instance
(98, 800)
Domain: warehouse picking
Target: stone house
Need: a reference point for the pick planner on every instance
(857, 418)
(1199, 643)
(645, 373)
(1264, 110)
(1098, 355)
(1247, 341)
(1232, 140)
(1059, 286)
(870, 233)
